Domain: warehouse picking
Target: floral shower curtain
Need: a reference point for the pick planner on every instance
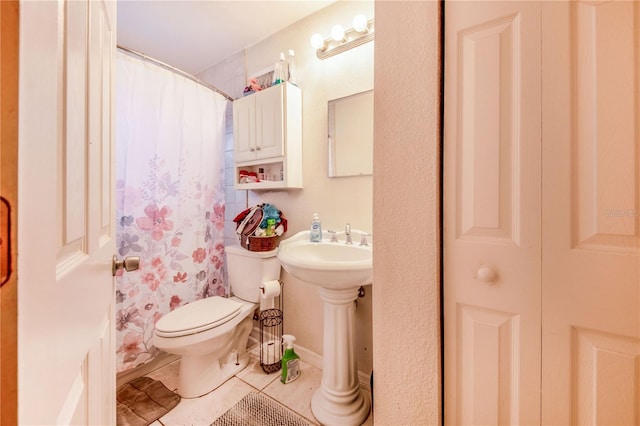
(170, 199)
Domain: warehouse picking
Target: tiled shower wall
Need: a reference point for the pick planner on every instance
(229, 76)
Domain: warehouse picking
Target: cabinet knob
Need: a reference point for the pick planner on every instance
(258, 148)
(252, 149)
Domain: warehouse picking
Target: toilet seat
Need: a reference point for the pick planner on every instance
(198, 316)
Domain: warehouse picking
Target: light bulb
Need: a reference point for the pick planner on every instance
(317, 41)
(337, 33)
(360, 23)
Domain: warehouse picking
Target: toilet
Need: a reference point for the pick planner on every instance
(211, 334)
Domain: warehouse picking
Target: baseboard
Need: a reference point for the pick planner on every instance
(311, 358)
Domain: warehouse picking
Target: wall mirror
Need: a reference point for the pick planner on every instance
(351, 135)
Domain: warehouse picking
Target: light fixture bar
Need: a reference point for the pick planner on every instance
(353, 37)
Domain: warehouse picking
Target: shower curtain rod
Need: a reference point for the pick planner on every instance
(177, 70)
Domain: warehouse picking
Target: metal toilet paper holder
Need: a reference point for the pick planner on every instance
(271, 323)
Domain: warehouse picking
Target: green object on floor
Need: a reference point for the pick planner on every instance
(142, 401)
(290, 361)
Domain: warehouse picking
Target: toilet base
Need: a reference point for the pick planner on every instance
(201, 375)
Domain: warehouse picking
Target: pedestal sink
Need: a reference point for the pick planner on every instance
(338, 269)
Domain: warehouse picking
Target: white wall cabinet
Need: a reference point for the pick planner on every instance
(267, 132)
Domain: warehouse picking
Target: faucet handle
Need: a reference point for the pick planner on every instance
(363, 239)
(334, 239)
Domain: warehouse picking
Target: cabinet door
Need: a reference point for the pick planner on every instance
(244, 129)
(269, 109)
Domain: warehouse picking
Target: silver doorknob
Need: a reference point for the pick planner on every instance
(486, 274)
(128, 264)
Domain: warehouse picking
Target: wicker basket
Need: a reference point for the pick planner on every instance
(250, 223)
(262, 243)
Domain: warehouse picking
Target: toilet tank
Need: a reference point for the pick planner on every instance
(247, 270)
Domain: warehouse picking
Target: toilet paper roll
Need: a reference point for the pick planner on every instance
(271, 352)
(269, 290)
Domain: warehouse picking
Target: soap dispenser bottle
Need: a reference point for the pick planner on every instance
(316, 229)
(290, 360)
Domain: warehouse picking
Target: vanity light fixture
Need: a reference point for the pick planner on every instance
(341, 40)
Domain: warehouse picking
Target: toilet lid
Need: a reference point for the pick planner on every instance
(197, 316)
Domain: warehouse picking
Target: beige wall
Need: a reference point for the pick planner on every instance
(406, 301)
(336, 200)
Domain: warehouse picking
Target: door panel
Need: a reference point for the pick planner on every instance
(591, 238)
(487, 164)
(492, 213)
(604, 40)
(605, 370)
(488, 340)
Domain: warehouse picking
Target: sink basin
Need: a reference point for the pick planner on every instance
(330, 265)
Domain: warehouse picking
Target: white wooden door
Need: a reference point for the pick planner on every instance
(492, 177)
(591, 213)
(66, 370)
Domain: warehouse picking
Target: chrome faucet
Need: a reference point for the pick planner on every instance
(347, 233)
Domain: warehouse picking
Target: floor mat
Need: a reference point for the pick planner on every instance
(143, 401)
(258, 410)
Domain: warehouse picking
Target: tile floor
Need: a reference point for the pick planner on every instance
(206, 409)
